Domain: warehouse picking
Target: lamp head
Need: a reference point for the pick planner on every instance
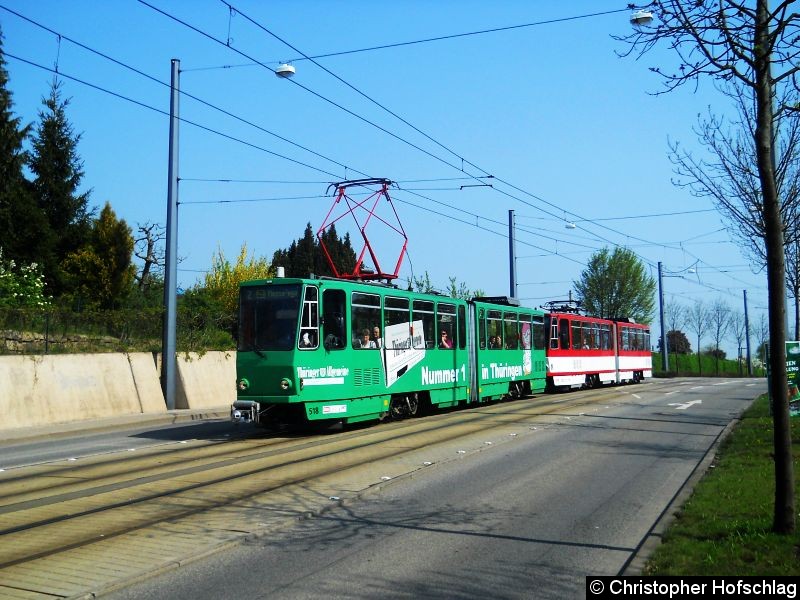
(641, 18)
(285, 70)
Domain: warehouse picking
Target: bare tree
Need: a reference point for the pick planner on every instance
(719, 318)
(746, 45)
(697, 318)
(738, 331)
(675, 317)
(147, 248)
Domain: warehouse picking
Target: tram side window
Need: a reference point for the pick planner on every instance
(576, 335)
(397, 327)
(309, 321)
(605, 336)
(446, 324)
(365, 316)
(423, 324)
(646, 333)
(482, 329)
(462, 327)
(494, 326)
(510, 329)
(563, 333)
(538, 333)
(625, 345)
(333, 319)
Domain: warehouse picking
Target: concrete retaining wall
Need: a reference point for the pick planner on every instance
(50, 389)
(207, 381)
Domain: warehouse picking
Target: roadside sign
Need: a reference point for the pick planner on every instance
(793, 377)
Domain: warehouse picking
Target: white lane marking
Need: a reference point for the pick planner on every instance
(685, 405)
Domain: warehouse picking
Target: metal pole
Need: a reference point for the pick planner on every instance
(512, 256)
(664, 349)
(747, 337)
(168, 346)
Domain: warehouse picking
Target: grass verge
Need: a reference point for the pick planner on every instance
(725, 527)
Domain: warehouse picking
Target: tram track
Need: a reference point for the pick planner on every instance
(60, 509)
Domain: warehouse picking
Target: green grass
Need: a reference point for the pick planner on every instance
(725, 527)
(683, 365)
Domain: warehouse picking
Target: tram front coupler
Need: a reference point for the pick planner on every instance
(244, 411)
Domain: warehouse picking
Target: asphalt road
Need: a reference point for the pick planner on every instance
(529, 515)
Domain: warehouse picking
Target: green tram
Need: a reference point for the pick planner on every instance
(311, 350)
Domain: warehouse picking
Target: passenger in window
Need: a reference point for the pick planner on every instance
(445, 341)
(493, 342)
(376, 337)
(307, 340)
(364, 342)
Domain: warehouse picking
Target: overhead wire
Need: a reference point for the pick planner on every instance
(300, 146)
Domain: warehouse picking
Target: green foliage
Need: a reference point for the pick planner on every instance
(58, 171)
(204, 322)
(21, 286)
(677, 342)
(460, 290)
(615, 285)
(724, 528)
(222, 282)
(306, 256)
(23, 228)
(101, 272)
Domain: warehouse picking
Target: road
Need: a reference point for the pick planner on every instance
(505, 500)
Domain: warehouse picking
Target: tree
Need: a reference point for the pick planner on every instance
(222, 282)
(460, 290)
(675, 317)
(677, 342)
(58, 171)
(147, 249)
(697, 318)
(719, 318)
(757, 52)
(22, 225)
(739, 333)
(306, 256)
(101, 272)
(615, 285)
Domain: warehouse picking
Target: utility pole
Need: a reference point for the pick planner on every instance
(168, 345)
(664, 349)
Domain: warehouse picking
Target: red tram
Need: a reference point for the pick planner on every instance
(589, 352)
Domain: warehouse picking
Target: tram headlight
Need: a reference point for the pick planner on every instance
(285, 384)
(242, 384)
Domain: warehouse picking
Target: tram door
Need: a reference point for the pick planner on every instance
(334, 320)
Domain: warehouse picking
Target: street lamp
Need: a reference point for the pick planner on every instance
(169, 328)
(641, 18)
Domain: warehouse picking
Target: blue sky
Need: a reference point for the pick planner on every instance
(573, 130)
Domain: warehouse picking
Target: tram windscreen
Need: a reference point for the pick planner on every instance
(268, 317)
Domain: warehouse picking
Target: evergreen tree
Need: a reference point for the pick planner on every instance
(615, 285)
(101, 272)
(58, 172)
(306, 255)
(22, 225)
